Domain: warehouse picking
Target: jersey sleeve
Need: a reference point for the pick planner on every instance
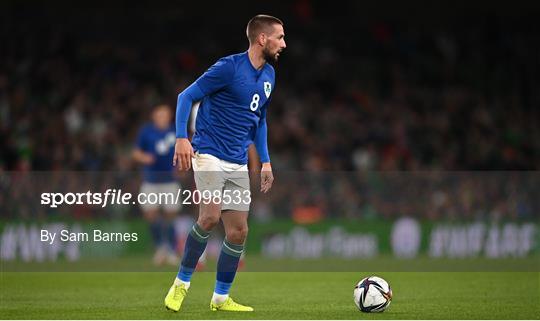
(183, 108)
(217, 76)
(261, 136)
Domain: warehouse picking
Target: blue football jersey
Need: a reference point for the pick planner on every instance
(159, 143)
(236, 97)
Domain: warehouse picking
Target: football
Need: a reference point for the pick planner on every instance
(372, 294)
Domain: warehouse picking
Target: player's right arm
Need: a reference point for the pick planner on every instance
(183, 151)
(140, 154)
(214, 79)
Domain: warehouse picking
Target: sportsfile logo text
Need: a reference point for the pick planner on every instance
(117, 197)
(109, 197)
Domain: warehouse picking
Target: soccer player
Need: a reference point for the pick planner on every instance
(154, 149)
(234, 95)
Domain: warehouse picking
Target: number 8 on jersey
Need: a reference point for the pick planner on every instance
(254, 102)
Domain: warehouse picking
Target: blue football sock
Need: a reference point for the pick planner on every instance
(155, 230)
(227, 266)
(171, 235)
(195, 245)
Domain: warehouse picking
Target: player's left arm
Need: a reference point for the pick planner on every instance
(261, 144)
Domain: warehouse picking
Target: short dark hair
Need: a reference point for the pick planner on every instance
(260, 23)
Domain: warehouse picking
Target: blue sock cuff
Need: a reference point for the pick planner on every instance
(222, 287)
(232, 249)
(199, 234)
(185, 273)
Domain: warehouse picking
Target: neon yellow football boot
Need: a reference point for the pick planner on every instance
(230, 305)
(175, 297)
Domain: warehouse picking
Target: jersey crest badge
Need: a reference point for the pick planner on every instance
(267, 88)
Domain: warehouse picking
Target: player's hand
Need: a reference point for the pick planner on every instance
(267, 177)
(183, 152)
(147, 159)
(142, 157)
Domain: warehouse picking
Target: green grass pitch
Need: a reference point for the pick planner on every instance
(274, 295)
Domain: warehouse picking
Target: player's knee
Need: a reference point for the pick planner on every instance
(237, 235)
(208, 223)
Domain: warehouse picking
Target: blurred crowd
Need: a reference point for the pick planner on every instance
(376, 96)
(351, 94)
(452, 196)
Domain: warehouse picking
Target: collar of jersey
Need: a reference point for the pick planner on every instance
(257, 72)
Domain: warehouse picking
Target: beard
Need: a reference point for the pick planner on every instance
(268, 56)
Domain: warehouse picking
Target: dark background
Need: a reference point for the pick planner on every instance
(362, 85)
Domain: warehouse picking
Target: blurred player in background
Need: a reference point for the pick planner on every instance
(234, 94)
(154, 150)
